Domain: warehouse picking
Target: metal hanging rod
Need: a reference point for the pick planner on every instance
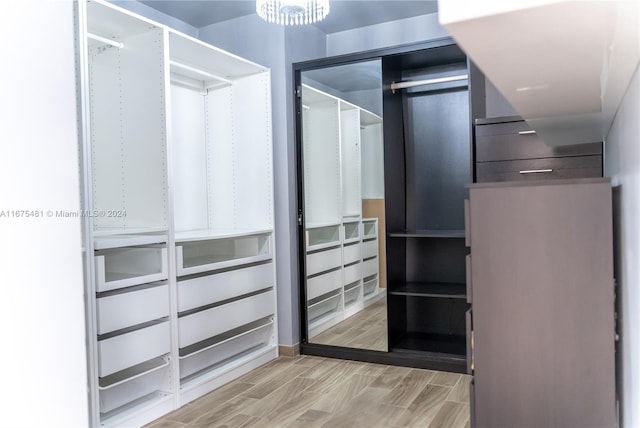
(111, 42)
(200, 72)
(411, 84)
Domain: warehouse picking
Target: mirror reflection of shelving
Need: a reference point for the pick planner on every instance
(342, 157)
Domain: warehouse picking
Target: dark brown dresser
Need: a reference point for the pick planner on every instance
(507, 149)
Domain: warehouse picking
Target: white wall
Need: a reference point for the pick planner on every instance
(42, 317)
(622, 154)
(404, 31)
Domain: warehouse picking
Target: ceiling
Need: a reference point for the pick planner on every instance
(344, 14)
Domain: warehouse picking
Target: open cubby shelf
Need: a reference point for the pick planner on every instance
(429, 342)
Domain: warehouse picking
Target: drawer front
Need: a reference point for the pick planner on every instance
(370, 267)
(251, 339)
(370, 248)
(515, 140)
(318, 309)
(120, 352)
(351, 253)
(352, 273)
(135, 307)
(196, 292)
(322, 284)
(211, 322)
(324, 260)
(126, 267)
(540, 169)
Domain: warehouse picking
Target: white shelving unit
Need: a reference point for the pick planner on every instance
(342, 273)
(178, 177)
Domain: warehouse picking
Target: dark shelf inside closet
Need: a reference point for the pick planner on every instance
(428, 163)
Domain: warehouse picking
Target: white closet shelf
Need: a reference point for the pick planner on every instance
(128, 231)
(368, 118)
(110, 21)
(208, 234)
(120, 241)
(189, 50)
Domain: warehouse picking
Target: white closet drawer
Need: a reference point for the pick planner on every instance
(213, 254)
(352, 273)
(125, 267)
(227, 348)
(211, 322)
(370, 248)
(323, 284)
(196, 292)
(135, 307)
(370, 267)
(369, 229)
(325, 306)
(323, 261)
(370, 286)
(351, 253)
(137, 386)
(120, 352)
(352, 295)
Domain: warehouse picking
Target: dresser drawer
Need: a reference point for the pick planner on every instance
(204, 290)
(515, 140)
(126, 350)
(323, 261)
(129, 309)
(539, 169)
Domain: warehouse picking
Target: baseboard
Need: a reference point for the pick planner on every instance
(289, 351)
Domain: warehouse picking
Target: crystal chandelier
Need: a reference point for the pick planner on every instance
(292, 12)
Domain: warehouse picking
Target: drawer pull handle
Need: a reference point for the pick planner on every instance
(526, 132)
(535, 171)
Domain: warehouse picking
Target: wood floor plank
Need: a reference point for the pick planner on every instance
(310, 419)
(329, 379)
(341, 392)
(424, 407)
(445, 379)
(403, 394)
(240, 421)
(322, 370)
(391, 377)
(371, 369)
(309, 361)
(165, 423)
(286, 392)
(356, 409)
(460, 391)
(290, 410)
(451, 415)
(272, 383)
(223, 411)
(195, 409)
(382, 415)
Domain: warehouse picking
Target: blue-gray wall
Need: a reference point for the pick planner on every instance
(401, 32)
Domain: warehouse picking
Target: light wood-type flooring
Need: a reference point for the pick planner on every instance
(307, 391)
(367, 329)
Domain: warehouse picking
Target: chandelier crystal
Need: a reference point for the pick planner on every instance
(292, 12)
